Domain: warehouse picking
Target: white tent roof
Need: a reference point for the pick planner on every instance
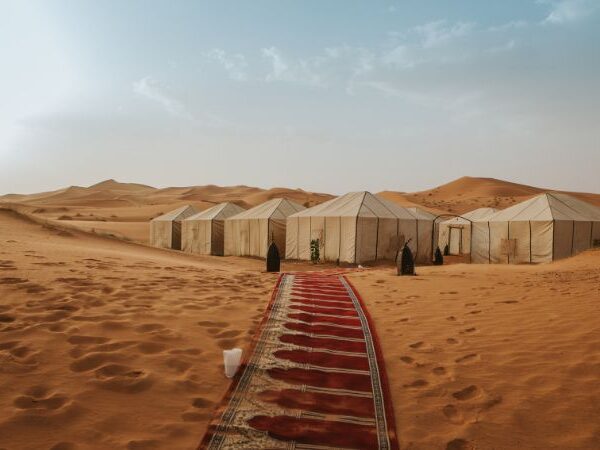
(548, 206)
(277, 208)
(466, 218)
(358, 204)
(421, 213)
(177, 214)
(220, 211)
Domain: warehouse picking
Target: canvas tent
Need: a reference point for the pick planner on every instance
(545, 228)
(250, 233)
(165, 230)
(358, 227)
(203, 233)
(456, 232)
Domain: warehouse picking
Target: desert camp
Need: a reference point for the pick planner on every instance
(165, 230)
(300, 225)
(204, 232)
(250, 233)
(546, 228)
(356, 228)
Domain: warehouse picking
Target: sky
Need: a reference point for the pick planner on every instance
(324, 95)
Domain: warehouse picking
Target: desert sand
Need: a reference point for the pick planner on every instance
(106, 343)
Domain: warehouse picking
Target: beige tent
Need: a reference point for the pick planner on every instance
(358, 227)
(456, 232)
(165, 230)
(542, 229)
(251, 232)
(203, 233)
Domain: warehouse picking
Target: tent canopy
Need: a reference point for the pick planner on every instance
(178, 214)
(277, 208)
(548, 206)
(471, 216)
(421, 213)
(218, 212)
(358, 204)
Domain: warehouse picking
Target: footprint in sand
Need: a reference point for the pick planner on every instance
(439, 370)
(208, 323)
(467, 393)
(63, 446)
(417, 344)
(143, 444)
(475, 312)
(229, 334)
(201, 403)
(417, 384)
(122, 378)
(452, 341)
(469, 330)
(453, 414)
(407, 359)
(509, 302)
(459, 444)
(469, 357)
(41, 399)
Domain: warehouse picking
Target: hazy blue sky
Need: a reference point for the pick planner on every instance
(324, 95)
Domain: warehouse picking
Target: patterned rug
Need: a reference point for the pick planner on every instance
(315, 377)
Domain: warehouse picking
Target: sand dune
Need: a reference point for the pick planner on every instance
(107, 205)
(469, 193)
(107, 344)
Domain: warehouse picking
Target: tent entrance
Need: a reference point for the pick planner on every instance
(455, 240)
(176, 236)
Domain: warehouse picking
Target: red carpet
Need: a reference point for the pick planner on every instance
(315, 377)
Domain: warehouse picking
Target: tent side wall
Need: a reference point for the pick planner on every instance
(519, 245)
(366, 239)
(216, 236)
(348, 239)
(276, 229)
(563, 239)
(596, 234)
(161, 234)
(581, 236)
(541, 241)
(304, 233)
(333, 233)
(498, 242)
(291, 238)
(480, 243)
(424, 253)
(388, 241)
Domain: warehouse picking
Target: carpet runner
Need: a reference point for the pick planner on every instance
(315, 377)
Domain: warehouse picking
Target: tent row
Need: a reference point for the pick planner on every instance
(354, 228)
(361, 227)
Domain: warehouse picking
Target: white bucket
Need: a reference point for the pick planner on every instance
(232, 359)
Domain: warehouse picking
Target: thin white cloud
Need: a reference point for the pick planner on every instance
(234, 64)
(506, 47)
(566, 11)
(149, 88)
(439, 32)
(512, 25)
(299, 71)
